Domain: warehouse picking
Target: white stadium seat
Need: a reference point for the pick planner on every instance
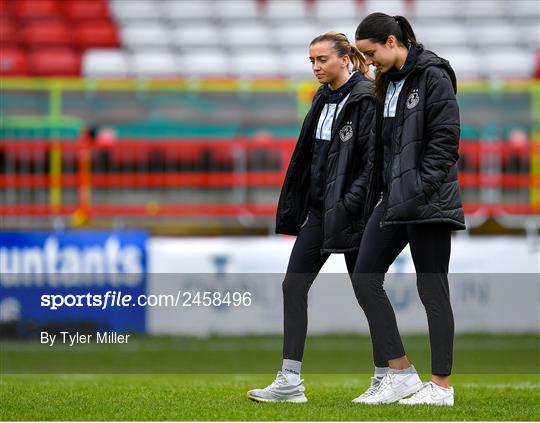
(523, 9)
(439, 35)
(503, 35)
(465, 62)
(290, 9)
(204, 64)
(193, 36)
(300, 35)
(514, 64)
(475, 10)
(252, 35)
(390, 7)
(335, 9)
(125, 10)
(137, 35)
(236, 9)
(296, 63)
(186, 10)
(263, 64)
(153, 64)
(429, 9)
(105, 63)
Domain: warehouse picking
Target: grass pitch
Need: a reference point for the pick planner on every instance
(513, 393)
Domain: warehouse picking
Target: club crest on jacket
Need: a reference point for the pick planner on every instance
(413, 99)
(346, 133)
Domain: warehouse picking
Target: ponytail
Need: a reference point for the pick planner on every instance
(377, 27)
(343, 47)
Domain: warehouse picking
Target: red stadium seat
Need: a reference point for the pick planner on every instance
(39, 33)
(86, 9)
(6, 8)
(96, 34)
(55, 61)
(37, 9)
(13, 61)
(8, 33)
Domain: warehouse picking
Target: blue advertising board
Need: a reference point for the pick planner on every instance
(74, 276)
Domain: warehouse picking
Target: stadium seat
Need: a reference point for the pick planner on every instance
(6, 9)
(442, 35)
(514, 64)
(260, 64)
(25, 9)
(477, 10)
(13, 61)
(236, 9)
(390, 7)
(86, 9)
(96, 34)
(187, 10)
(105, 63)
(140, 35)
(427, 10)
(465, 62)
(296, 64)
(335, 9)
(8, 33)
(252, 35)
(38, 33)
(204, 64)
(196, 36)
(279, 10)
(347, 26)
(493, 35)
(529, 9)
(125, 10)
(153, 64)
(299, 35)
(55, 61)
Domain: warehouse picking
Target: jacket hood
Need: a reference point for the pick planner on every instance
(427, 58)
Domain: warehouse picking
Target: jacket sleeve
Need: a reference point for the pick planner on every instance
(442, 131)
(354, 199)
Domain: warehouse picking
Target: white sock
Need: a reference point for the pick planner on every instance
(291, 370)
(380, 372)
(409, 370)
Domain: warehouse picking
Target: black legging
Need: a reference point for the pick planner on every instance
(304, 265)
(430, 250)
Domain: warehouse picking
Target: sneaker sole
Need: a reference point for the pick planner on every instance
(297, 400)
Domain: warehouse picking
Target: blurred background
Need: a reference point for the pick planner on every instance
(180, 117)
(153, 136)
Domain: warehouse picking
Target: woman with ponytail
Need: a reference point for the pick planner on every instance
(323, 197)
(413, 198)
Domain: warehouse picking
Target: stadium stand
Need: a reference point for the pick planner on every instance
(460, 29)
(178, 120)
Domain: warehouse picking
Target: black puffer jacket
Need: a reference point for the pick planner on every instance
(422, 175)
(346, 172)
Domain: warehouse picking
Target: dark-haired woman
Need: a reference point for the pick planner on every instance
(323, 196)
(413, 198)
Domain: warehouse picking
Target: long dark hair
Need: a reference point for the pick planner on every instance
(377, 27)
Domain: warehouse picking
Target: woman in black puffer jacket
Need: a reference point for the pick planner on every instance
(323, 197)
(413, 198)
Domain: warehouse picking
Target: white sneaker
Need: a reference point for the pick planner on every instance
(375, 382)
(282, 389)
(393, 387)
(431, 394)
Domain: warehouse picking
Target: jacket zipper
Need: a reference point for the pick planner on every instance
(399, 110)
